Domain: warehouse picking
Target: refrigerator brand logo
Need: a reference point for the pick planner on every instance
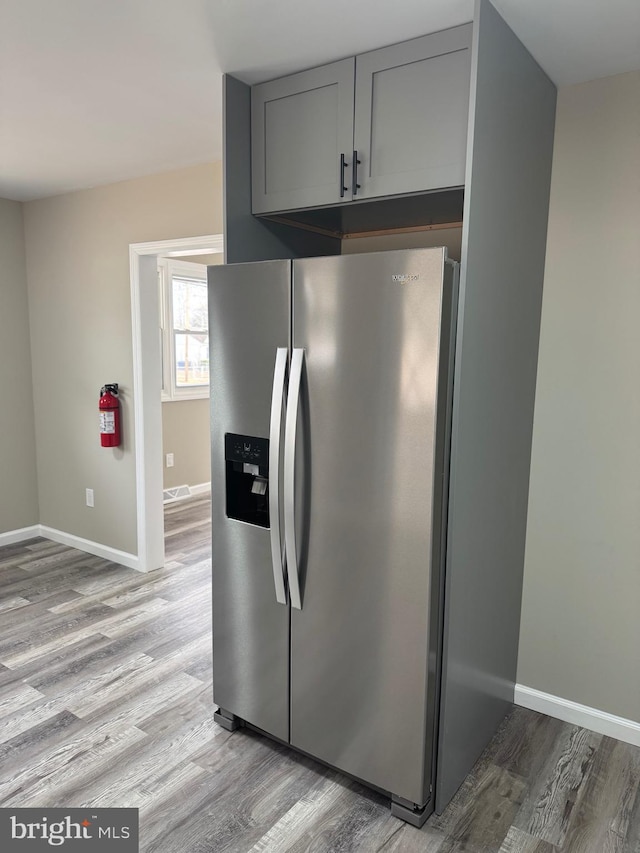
(403, 278)
(72, 829)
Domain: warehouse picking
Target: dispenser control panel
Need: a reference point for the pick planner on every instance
(247, 478)
(247, 448)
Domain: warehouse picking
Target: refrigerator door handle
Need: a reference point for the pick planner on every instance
(277, 402)
(290, 432)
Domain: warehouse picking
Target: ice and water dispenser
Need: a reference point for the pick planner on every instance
(247, 478)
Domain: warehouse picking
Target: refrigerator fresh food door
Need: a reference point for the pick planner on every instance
(249, 324)
(363, 643)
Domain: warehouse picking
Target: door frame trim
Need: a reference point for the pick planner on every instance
(147, 407)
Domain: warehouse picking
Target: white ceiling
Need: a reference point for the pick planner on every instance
(96, 91)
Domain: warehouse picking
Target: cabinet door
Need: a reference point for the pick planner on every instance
(300, 126)
(411, 117)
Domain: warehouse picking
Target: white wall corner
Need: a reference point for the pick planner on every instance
(579, 715)
(131, 561)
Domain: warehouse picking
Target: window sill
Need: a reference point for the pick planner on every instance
(180, 398)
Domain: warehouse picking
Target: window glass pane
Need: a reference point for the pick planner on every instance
(189, 304)
(192, 359)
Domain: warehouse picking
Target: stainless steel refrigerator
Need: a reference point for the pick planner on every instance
(330, 405)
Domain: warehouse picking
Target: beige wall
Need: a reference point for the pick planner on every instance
(18, 483)
(580, 632)
(185, 433)
(79, 303)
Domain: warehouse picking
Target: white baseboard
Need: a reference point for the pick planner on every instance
(175, 493)
(580, 715)
(112, 554)
(199, 489)
(21, 535)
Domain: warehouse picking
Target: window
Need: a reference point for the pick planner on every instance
(184, 330)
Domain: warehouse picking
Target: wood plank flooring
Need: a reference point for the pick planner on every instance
(106, 699)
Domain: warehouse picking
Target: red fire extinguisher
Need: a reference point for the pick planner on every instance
(109, 407)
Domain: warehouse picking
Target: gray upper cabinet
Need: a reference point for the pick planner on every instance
(404, 109)
(412, 113)
(300, 127)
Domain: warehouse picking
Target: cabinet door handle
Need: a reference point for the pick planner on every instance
(343, 166)
(355, 164)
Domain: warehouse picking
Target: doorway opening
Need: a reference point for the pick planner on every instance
(147, 383)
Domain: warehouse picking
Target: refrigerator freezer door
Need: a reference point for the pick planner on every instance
(248, 321)
(361, 694)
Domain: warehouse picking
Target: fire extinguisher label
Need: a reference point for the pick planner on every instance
(107, 423)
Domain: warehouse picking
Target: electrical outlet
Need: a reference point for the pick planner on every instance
(89, 496)
(169, 460)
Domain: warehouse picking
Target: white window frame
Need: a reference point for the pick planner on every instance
(167, 269)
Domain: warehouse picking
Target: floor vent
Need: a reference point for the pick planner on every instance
(176, 493)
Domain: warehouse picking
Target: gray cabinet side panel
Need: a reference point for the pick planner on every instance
(247, 238)
(505, 221)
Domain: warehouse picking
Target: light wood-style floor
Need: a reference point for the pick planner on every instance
(105, 700)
